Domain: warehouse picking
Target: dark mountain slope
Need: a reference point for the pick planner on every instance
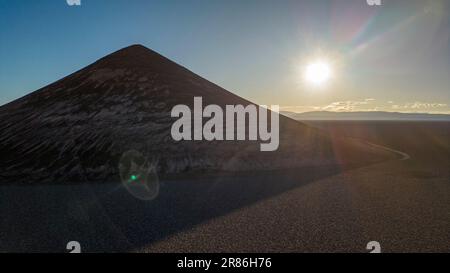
(77, 128)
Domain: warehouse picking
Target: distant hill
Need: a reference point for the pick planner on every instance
(324, 115)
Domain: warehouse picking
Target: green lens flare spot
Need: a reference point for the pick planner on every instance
(133, 178)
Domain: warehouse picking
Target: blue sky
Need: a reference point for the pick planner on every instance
(395, 57)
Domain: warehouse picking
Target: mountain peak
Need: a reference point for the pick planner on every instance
(134, 49)
(133, 56)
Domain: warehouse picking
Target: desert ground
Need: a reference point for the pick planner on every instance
(403, 203)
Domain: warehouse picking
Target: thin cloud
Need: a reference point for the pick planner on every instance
(371, 104)
(350, 106)
(419, 106)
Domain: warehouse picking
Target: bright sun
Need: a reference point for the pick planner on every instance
(318, 73)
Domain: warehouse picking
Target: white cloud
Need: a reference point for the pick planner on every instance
(415, 106)
(299, 108)
(350, 106)
(370, 104)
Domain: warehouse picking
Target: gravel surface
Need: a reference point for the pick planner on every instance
(320, 210)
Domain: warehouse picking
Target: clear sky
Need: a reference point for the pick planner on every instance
(394, 57)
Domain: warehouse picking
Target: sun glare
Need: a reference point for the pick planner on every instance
(318, 73)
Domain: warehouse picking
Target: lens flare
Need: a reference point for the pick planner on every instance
(139, 176)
